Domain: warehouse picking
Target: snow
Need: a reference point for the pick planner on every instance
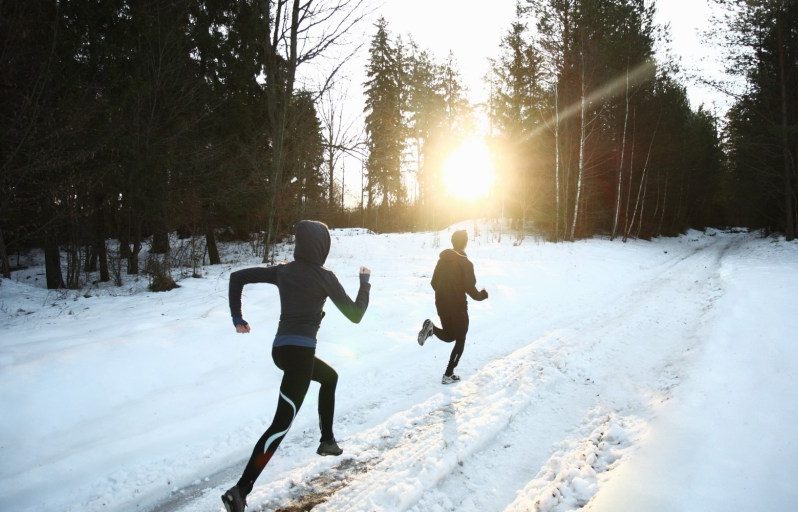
(729, 433)
(598, 375)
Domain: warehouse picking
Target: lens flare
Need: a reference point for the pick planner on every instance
(468, 172)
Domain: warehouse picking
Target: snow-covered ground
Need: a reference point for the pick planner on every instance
(641, 376)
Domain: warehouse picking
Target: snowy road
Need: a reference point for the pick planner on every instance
(570, 369)
(566, 388)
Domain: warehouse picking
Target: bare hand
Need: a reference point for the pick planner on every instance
(242, 328)
(365, 270)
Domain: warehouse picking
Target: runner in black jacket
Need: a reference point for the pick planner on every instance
(304, 285)
(452, 280)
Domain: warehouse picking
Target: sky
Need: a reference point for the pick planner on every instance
(473, 33)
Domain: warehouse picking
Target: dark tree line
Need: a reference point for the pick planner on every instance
(596, 136)
(761, 136)
(130, 120)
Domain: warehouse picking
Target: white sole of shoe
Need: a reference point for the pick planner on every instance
(424, 333)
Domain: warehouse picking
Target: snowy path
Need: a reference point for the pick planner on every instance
(568, 369)
(493, 419)
(584, 390)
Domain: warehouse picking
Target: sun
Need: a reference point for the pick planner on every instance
(468, 172)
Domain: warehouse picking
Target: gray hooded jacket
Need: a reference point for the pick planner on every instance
(304, 285)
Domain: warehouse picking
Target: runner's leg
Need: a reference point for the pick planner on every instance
(448, 330)
(325, 375)
(459, 329)
(297, 366)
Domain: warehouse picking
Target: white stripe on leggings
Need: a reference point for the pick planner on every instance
(277, 435)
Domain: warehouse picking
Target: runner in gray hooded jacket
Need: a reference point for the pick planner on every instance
(304, 285)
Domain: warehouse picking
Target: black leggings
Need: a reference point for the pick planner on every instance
(454, 327)
(299, 366)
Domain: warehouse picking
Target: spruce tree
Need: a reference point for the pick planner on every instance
(516, 109)
(385, 128)
(761, 130)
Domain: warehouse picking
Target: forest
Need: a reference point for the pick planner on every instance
(128, 125)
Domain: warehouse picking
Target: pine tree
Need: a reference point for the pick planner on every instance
(306, 184)
(425, 114)
(517, 103)
(762, 138)
(385, 126)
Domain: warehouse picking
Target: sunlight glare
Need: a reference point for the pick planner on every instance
(468, 172)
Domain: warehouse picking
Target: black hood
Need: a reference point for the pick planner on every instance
(451, 254)
(312, 242)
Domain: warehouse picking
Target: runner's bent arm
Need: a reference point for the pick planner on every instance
(470, 282)
(353, 310)
(247, 276)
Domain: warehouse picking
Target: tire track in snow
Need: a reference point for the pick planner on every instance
(564, 482)
(570, 478)
(394, 462)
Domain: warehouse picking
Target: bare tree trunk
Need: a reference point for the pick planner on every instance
(566, 180)
(133, 258)
(331, 163)
(656, 205)
(664, 204)
(100, 250)
(642, 203)
(631, 225)
(789, 228)
(160, 241)
(338, 141)
(629, 183)
(557, 162)
(422, 190)
(276, 182)
(133, 254)
(73, 266)
(795, 208)
(124, 246)
(52, 265)
(678, 212)
(525, 198)
(280, 125)
(362, 194)
(91, 259)
(210, 244)
(640, 189)
(581, 152)
(620, 166)
(566, 204)
(5, 263)
(102, 256)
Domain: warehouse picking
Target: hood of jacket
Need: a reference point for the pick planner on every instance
(312, 242)
(451, 254)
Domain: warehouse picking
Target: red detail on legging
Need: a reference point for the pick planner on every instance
(264, 459)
